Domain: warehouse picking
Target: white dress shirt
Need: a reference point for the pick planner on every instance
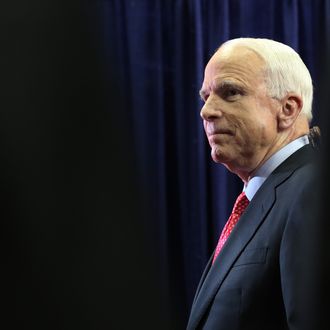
(271, 164)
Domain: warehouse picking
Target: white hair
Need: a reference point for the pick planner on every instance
(286, 72)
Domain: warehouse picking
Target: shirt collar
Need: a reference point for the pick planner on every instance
(271, 164)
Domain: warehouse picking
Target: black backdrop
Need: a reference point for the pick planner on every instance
(111, 203)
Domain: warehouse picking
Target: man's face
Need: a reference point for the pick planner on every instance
(240, 119)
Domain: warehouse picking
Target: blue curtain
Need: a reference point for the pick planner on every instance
(161, 48)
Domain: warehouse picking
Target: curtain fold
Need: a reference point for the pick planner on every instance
(163, 47)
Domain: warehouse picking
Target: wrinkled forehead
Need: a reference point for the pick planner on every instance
(236, 60)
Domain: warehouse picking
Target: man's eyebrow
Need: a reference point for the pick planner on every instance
(218, 85)
(225, 83)
(229, 84)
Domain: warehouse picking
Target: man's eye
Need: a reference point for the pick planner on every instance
(231, 94)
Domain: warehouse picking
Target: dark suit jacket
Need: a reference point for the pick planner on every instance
(255, 281)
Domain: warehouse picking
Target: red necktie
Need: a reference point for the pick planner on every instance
(240, 205)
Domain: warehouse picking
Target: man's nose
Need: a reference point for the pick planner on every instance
(209, 112)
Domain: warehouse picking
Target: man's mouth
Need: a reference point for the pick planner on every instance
(219, 132)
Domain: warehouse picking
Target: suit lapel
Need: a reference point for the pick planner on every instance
(233, 247)
(202, 279)
(243, 232)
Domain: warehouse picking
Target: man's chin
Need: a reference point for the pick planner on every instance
(217, 156)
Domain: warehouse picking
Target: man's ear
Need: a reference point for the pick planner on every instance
(290, 110)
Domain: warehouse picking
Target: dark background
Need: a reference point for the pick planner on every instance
(111, 205)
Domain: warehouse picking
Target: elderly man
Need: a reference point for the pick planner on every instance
(258, 96)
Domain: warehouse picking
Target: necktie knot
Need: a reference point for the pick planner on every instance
(241, 203)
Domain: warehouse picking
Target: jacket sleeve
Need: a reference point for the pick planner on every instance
(298, 257)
